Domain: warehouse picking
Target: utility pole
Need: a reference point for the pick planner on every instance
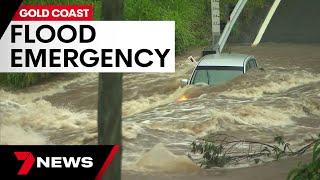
(110, 100)
(227, 29)
(215, 14)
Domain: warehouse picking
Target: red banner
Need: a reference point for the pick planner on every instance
(54, 13)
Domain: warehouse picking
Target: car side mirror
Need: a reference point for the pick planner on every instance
(184, 82)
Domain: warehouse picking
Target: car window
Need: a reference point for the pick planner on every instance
(253, 63)
(215, 75)
(201, 76)
(248, 65)
(218, 77)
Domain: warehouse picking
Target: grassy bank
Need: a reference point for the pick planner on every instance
(192, 17)
(21, 80)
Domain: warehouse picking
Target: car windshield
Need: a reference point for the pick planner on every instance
(216, 75)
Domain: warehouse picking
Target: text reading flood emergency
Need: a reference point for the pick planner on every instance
(68, 57)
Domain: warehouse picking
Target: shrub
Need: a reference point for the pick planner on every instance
(21, 80)
(193, 20)
(309, 171)
(219, 150)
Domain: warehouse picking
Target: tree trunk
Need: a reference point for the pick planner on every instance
(110, 100)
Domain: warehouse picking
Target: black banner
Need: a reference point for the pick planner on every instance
(55, 162)
(8, 9)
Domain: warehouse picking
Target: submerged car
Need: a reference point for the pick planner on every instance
(217, 69)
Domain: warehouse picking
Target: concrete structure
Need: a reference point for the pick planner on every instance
(296, 21)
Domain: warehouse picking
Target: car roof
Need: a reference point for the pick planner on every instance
(223, 60)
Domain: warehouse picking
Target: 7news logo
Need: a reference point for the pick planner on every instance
(38, 162)
(50, 162)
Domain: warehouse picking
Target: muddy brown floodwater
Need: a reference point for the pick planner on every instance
(283, 99)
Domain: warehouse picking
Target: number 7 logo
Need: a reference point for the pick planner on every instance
(28, 159)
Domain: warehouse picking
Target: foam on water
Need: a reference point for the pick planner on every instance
(15, 134)
(41, 118)
(166, 161)
(272, 82)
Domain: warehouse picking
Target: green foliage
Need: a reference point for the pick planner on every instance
(3, 79)
(309, 171)
(21, 80)
(218, 150)
(193, 20)
(280, 148)
(213, 155)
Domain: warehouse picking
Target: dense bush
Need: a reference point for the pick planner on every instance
(192, 17)
(21, 80)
